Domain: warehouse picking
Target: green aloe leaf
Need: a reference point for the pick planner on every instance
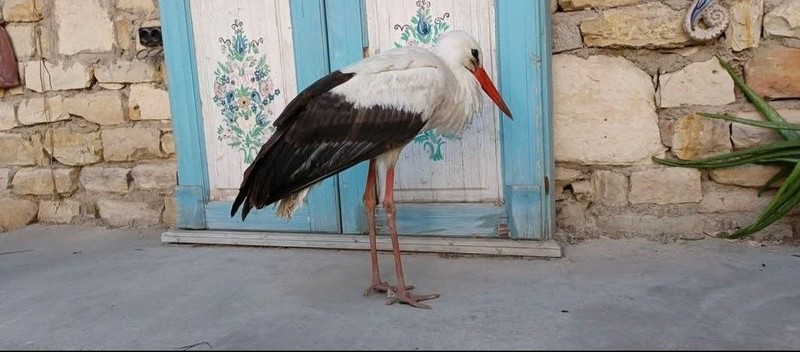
(756, 123)
(778, 175)
(785, 200)
(765, 153)
(759, 102)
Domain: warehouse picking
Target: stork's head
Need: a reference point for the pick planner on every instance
(461, 51)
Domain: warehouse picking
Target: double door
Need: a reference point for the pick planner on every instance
(248, 59)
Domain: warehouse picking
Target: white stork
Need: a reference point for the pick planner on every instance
(368, 111)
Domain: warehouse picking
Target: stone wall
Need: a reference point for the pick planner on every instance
(87, 138)
(627, 84)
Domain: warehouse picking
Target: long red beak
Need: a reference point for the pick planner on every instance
(491, 91)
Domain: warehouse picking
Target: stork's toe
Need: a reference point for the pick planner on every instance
(383, 287)
(410, 299)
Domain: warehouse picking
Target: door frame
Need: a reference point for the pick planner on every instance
(526, 153)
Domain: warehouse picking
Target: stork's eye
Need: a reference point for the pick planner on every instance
(475, 54)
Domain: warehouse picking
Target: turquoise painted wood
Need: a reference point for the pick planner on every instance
(179, 53)
(523, 45)
(218, 217)
(346, 42)
(447, 219)
(310, 38)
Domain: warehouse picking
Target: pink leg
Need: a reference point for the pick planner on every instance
(402, 294)
(377, 285)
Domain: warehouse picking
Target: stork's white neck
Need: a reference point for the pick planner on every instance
(462, 102)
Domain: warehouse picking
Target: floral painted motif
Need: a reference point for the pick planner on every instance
(244, 93)
(424, 30)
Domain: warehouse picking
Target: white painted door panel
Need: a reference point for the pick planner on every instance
(246, 73)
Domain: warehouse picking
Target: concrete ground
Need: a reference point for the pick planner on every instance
(95, 288)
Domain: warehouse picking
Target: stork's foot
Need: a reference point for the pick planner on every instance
(383, 287)
(409, 298)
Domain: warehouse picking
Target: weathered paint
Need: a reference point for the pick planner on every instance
(523, 38)
(179, 53)
(309, 34)
(346, 42)
(455, 219)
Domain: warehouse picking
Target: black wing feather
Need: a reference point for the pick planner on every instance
(318, 135)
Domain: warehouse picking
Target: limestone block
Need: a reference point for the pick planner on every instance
(744, 30)
(775, 73)
(666, 185)
(649, 25)
(84, 26)
(784, 20)
(572, 5)
(19, 150)
(147, 102)
(21, 11)
(700, 83)
(155, 176)
(137, 6)
(566, 33)
(16, 213)
(604, 111)
(74, 148)
(126, 72)
(102, 107)
(5, 178)
(23, 39)
(131, 143)
(38, 110)
(39, 181)
(60, 212)
(744, 136)
(610, 188)
(8, 115)
(749, 175)
(106, 179)
(696, 137)
(128, 213)
(62, 76)
(722, 198)
(168, 143)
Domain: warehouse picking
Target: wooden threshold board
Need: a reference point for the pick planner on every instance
(429, 244)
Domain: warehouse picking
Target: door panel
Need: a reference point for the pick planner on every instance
(248, 70)
(246, 76)
(438, 167)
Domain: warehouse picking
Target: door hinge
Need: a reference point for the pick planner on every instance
(546, 185)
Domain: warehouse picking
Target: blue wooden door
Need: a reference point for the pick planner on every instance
(233, 65)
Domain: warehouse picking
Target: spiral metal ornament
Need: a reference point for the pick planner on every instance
(715, 20)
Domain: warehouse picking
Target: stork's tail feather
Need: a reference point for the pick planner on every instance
(288, 205)
(237, 203)
(240, 199)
